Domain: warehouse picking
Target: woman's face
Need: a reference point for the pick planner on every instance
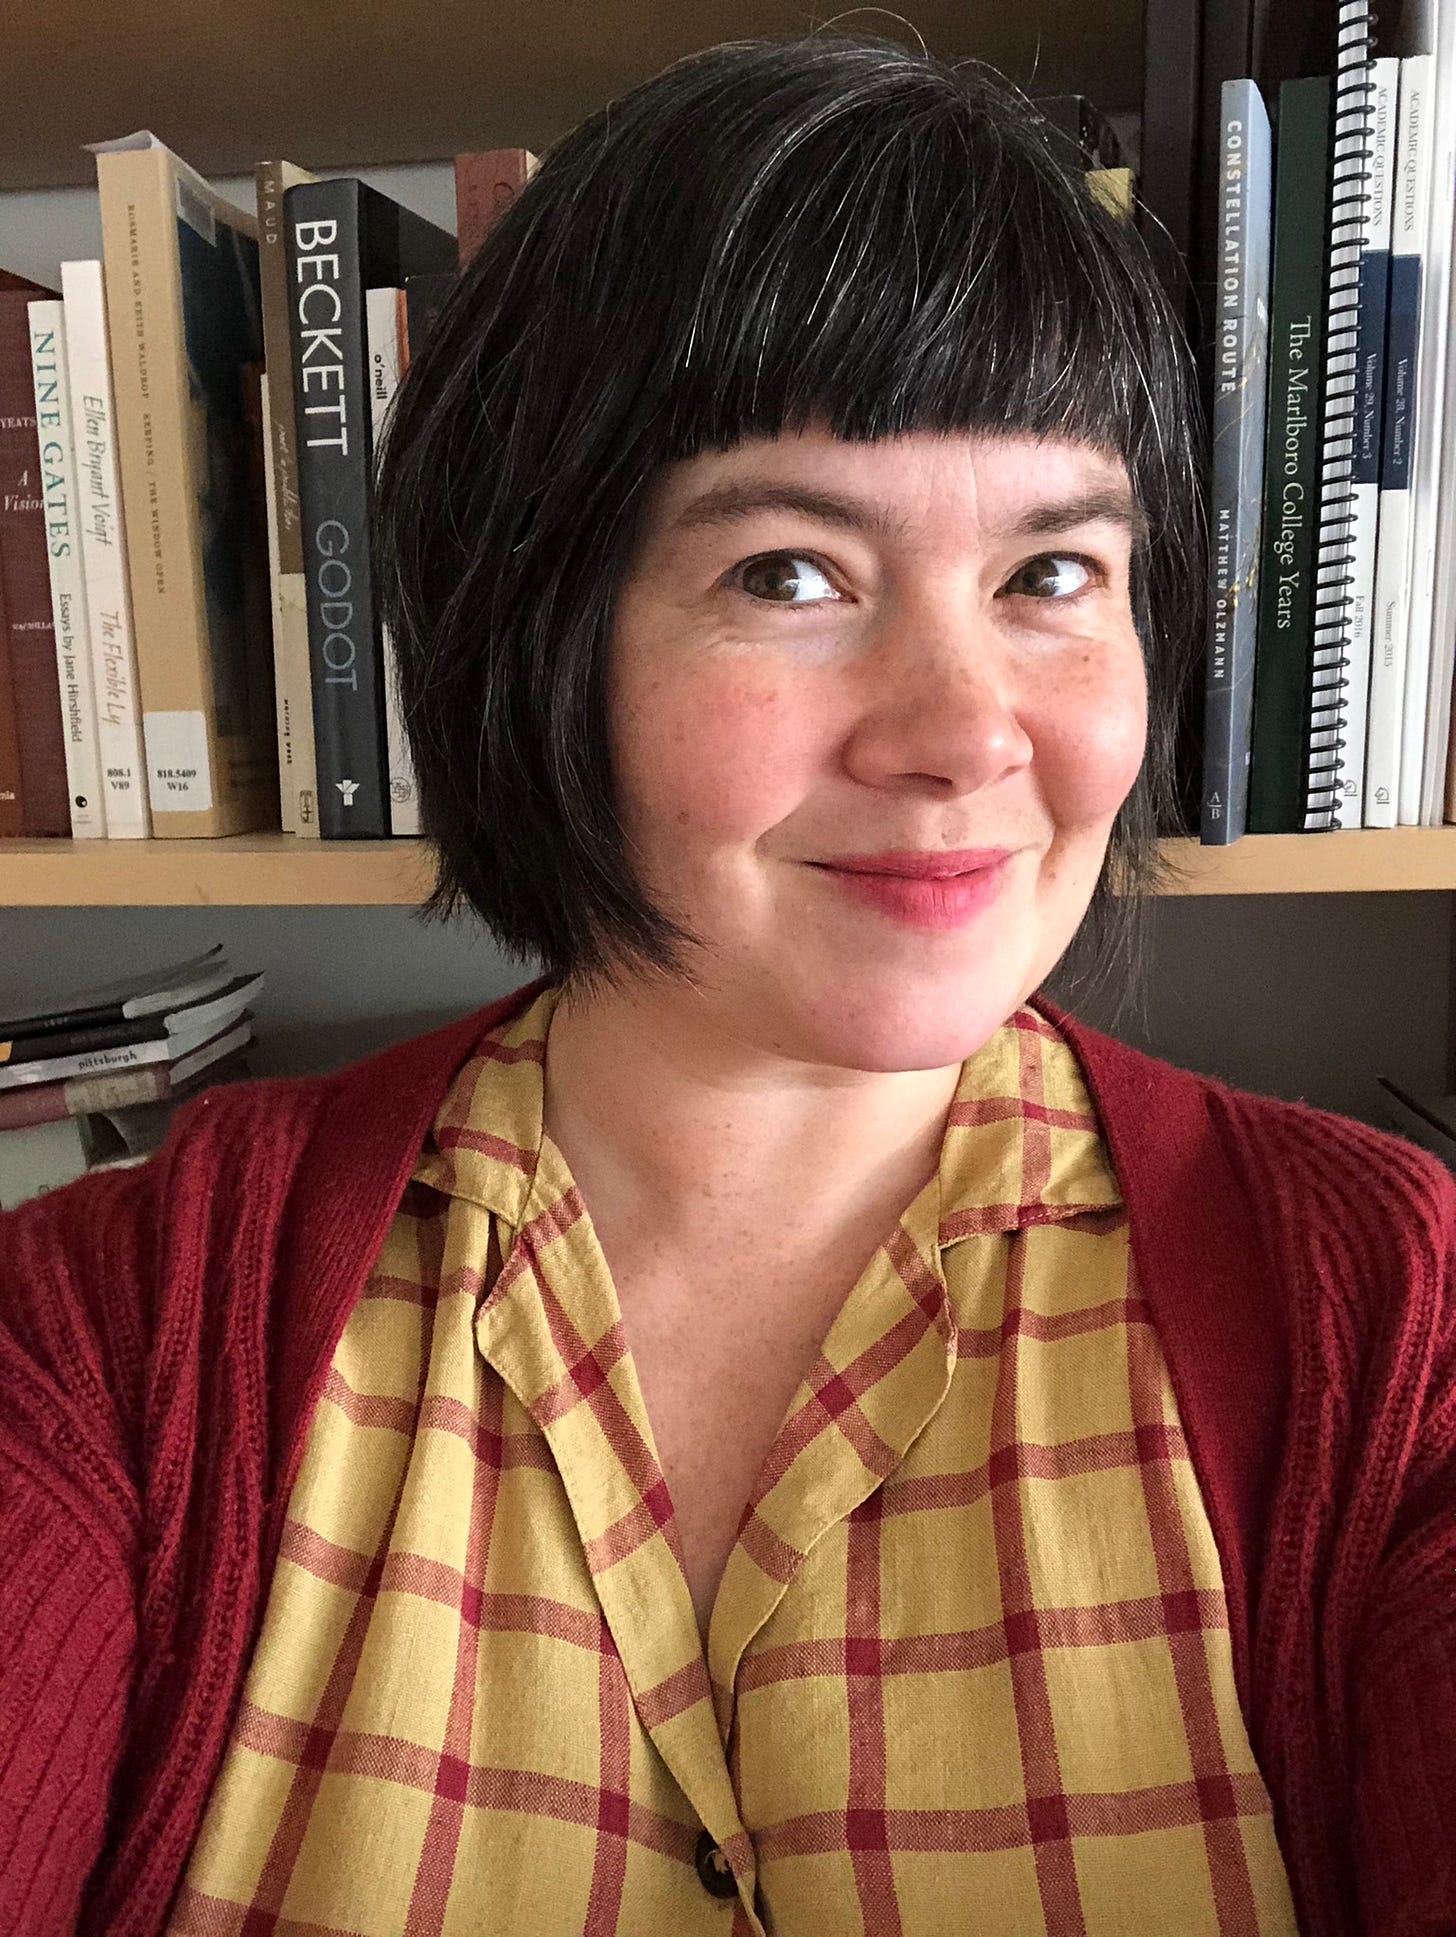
(832, 667)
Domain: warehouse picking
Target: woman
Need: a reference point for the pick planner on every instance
(774, 1426)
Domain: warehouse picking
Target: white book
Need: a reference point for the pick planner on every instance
(1390, 630)
(382, 337)
(1380, 122)
(1430, 414)
(67, 572)
(103, 554)
(1431, 808)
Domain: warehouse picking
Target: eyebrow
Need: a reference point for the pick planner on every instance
(727, 503)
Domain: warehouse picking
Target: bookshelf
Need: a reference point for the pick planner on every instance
(277, 870)
(1296, 948)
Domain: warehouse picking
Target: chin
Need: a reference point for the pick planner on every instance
(906, 1021)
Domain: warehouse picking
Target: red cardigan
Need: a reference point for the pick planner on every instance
(165, 1331)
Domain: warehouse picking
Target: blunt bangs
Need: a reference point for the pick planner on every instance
(766, 234)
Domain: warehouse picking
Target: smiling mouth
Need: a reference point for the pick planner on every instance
(941, 900)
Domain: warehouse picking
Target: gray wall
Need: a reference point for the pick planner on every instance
(1303, 996)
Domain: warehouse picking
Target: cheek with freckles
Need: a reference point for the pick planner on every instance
(1091, 737)
(710, 760)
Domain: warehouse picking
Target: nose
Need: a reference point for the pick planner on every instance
(942, 709)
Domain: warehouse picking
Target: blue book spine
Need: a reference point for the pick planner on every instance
(1241, 346)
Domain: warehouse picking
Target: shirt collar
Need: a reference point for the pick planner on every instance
(1022, 1142)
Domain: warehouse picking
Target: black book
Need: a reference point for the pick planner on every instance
(179, 1019)
(341, 238)
(148, 993)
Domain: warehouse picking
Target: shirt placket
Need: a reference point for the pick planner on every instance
(552, 1330)
(882, 1373)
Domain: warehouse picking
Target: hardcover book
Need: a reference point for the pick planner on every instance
(184, 313)
(1241, 339)
(341, 238)
(1291, 453)
(68, 574)
(25, 568)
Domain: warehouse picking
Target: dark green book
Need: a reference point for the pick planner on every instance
(1291, 458)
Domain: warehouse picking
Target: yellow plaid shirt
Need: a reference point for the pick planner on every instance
(968, 1667)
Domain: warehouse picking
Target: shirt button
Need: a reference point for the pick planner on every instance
(713, 1871)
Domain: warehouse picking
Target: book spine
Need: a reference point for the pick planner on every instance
(68, 578)
(53, 1102)
(486, 183)
(92, 1062)
(1240, 385)
(11, 818)
(297, 772)
(183, 312)
(1326, 739)
(1403, 350)
(40, 729)
(103, 553)
(331, 405)
(1382, 86)
(1291, 478)
(1426, 509)
(384, 310)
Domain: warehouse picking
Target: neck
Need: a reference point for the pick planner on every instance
(670, 1118)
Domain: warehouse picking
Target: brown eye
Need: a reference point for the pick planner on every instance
(777, 577)
(1055, 575)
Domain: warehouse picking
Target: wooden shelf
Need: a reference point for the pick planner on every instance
(344, 83)
(276, 870)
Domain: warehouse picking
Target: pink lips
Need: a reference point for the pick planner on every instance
(928, 889)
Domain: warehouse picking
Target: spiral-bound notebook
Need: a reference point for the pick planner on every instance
(1354, 337)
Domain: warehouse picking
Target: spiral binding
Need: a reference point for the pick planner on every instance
(1350, 195)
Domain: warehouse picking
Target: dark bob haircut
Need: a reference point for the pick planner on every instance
(767, 232)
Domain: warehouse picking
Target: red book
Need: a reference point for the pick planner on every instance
(45, 802)
(10, 820)
(485, 186)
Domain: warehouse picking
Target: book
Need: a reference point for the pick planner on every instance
(103, 553)
(30, 628)
(217, 1060)
(1239, 394)
(487, 181)
(1372, 290)
(1390, 627)
(342, 237)
(293, 696)
(69, 616)
(1291, 475)
(41, 1157)
(10, 823)
(143, 994)
(1426, 511)
(386, 333)
(184, 319)
(188, 1029)
(179, 1019)
(1326, 732)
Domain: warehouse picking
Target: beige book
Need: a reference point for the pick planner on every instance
(185, 327)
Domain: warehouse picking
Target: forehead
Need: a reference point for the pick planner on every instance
(897, 487)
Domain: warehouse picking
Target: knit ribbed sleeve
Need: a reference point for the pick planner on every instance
(1354, 1659)
(70, 1382)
